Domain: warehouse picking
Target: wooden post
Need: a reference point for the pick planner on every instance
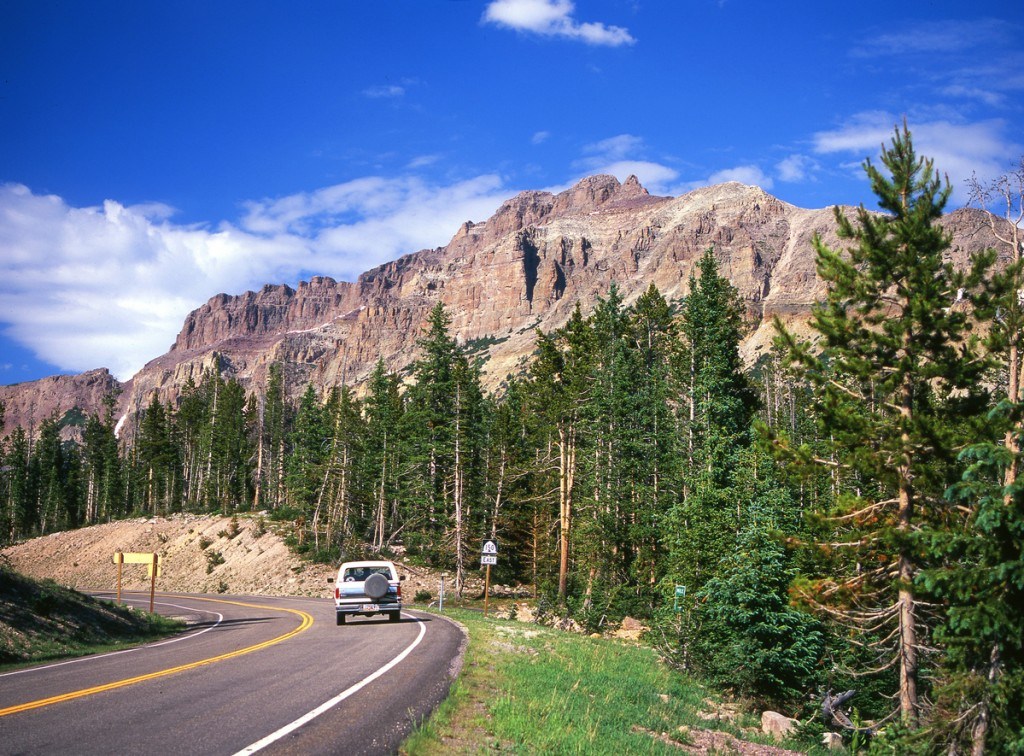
(152, 584)
(487, 589)
(120, 564)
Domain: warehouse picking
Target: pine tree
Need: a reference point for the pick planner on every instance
(558, 386)
(894, 367)
(273, 423)
(158, 460)
(20, 500)
(104, 498)
(309, 442)
(339, 510)
(382, 461)
(748, 637)
(717, 411)
(442, 426)
(980, 570)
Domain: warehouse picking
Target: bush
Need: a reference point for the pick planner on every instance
(213, 558)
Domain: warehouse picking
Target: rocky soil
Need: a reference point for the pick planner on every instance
(199, 554)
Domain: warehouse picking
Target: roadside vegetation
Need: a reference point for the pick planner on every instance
(526, 688)
(847, 515)
(42, 621)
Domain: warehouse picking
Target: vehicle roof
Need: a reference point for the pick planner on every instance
(377, 563)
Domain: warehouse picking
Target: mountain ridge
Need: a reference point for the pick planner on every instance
(524, 267)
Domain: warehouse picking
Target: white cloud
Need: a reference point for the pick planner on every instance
(622, 156)
(656, 178)
(796, 168)
(745, 174)
(616, 147)
(553, 18)
(384, 92)
(986, 96)
(110, 286)
(959, 149)
(935, 38)
(540, 137)
(423, 161)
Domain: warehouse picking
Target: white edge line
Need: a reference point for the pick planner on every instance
(93, 657)
(289, 728)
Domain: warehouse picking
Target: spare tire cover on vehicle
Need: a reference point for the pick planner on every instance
(376, 586)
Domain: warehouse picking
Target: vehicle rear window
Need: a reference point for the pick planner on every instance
(359, 574)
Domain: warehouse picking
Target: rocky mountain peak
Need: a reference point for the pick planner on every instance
(525, 267)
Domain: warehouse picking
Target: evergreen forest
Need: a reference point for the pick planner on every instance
(846, 515)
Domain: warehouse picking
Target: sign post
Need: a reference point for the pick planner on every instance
(119, 558)
(152, 559)
(487, 558)
(152, 581)
(680, 596)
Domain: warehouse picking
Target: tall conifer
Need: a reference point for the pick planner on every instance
(893, 368)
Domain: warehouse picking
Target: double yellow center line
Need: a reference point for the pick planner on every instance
(307, 622)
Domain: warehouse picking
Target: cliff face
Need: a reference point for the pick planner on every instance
(525, 267)
(28, 404)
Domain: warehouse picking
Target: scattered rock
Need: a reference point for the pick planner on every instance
(719, 712)
(630, 629)
(699, 740)
(833, 741)
(779, 726)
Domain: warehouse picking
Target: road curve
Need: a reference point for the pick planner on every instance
(273, 675)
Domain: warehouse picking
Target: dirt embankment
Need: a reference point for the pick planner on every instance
(198, 553)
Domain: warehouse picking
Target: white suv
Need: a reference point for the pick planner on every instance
(367, 588)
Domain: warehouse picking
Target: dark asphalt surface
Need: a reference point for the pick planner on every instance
(282, 658)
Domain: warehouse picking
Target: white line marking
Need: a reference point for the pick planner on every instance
(289, 728)
(93, 657)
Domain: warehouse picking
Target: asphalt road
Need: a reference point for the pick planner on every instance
(274, 675)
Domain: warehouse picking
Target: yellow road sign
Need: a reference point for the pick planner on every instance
(141, 557)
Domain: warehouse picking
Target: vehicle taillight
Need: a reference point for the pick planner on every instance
(399, 591)
(337, 592)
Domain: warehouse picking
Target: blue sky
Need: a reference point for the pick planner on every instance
(153, 155)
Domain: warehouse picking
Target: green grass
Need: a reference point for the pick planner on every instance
(531, 689)
(42, 621)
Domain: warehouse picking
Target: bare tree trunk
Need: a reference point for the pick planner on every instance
(907, 605)
(566, 466)
(258, 488)
(460, 566)
(378, 528)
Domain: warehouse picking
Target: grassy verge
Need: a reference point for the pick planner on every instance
(42, 621)
(530, 689)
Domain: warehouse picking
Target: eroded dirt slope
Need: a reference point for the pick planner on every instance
(199, 553)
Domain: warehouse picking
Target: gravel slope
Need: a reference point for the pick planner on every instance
(255, 558)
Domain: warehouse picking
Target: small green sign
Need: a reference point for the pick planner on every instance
(680, 594)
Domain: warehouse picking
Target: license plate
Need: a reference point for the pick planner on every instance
(371, 608)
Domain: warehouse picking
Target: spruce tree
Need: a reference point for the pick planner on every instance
(716, 411)
(979, 570)
(893, 367)
(381, 463)
(558, 387)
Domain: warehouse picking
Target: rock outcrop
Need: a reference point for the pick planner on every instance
(64, 397)
(525, 267)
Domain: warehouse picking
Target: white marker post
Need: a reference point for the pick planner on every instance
(489, 557)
